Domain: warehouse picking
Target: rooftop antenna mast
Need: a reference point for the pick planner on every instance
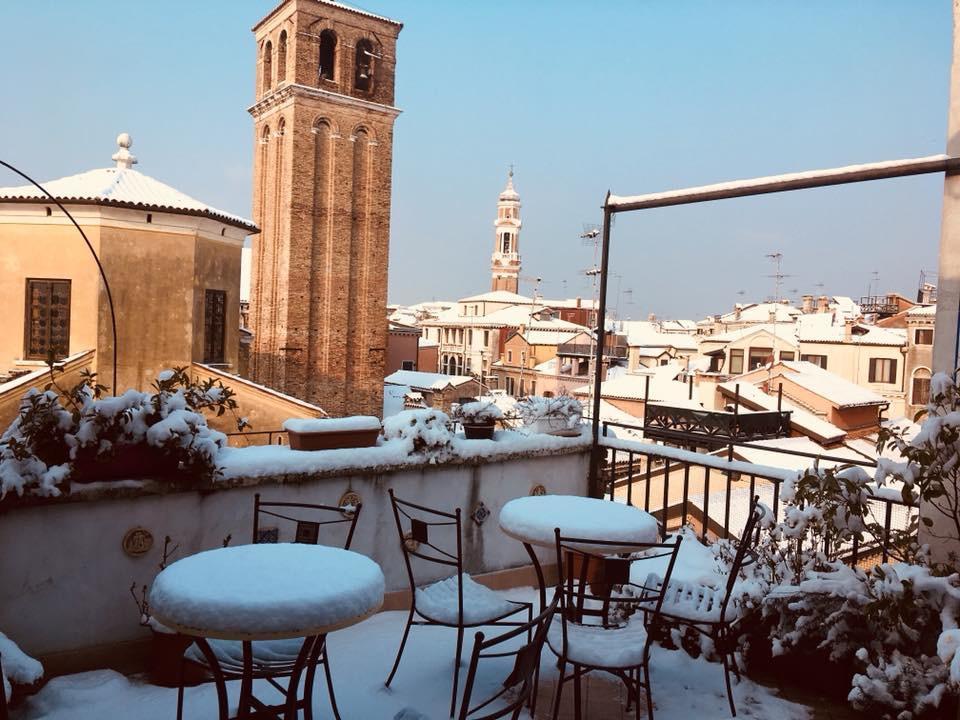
(778, 276)
(591, 236)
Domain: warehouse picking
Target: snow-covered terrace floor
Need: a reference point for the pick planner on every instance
(361, 657)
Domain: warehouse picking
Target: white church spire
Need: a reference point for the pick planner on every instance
(505, 263)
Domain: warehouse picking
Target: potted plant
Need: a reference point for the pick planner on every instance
(478, 419)
(554, 416)
(331, 433)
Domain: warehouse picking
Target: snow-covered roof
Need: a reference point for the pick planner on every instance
(513, 316)
(340, 5)
(923, 310)
(510, 192)
(822, 327)
(760, 313)
(838, 390)
(801, 419)
(572, 303)
(122, 186)
(774, 458)
(500, 296)
(783, 334)
(632, 386)
(425, 380)
(643, 333)
(424, 343)
(550, 337)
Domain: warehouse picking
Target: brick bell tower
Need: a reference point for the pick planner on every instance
(505, 263)
(323, 133)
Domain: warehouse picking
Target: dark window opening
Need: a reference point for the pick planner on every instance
(267, 65)
(407, 365)
(149, 218)
(883, 370)
(506, 243)
(328, 55)
(282, 57)
(49, 212)
(759, 357)
(736, 362)
(923, 337)
(921, 391)
(819, 360)
(47, 319)
(214, 326)
(363, 77)
(787, 355)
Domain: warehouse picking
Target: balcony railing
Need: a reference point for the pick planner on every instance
(878, 304)
(587, 350)
(710, 428)
(713, 492)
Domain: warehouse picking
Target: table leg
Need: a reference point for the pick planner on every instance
(539, 571)
(304, 656)
(214, 666)
(246, 682)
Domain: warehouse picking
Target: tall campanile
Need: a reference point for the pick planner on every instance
(323, 124)
(505, 262)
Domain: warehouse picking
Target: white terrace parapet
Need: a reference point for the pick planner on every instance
(66, 575)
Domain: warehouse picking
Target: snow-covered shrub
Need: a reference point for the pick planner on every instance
(422, 432)
(480, 412)
(563, 408)
(18, 667)
(930, 471)
(900, 686)
(58, 430)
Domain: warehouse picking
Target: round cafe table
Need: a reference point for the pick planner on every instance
(266, 592)
(533, 520)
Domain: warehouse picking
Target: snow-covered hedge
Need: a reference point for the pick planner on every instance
(423, 432)
(481, 411)
(58, 430)
(18, 667)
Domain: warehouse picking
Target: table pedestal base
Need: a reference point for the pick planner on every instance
(252, 708)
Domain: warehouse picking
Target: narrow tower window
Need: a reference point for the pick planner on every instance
(328, 55)
(506, 243)
(363, 79)
(282, 57)
(267, 65)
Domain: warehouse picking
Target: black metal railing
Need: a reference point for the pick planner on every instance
(587, 350)
(713, 491)
(257, 437)
(709, 428)
(879, 304)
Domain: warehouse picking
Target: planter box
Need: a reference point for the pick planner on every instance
(130, 462)
(479, 431)
(554, 426)
(330, 434)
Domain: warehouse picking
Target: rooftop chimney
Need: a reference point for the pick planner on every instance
(651, 318)
(823, 304)
(807, 306)
(847, 330)
(736, 311)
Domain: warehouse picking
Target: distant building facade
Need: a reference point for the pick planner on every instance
(505, 263)
(323, 124)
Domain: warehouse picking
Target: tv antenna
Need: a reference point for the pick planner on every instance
(779, 275)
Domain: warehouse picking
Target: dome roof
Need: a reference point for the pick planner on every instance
(509, 192)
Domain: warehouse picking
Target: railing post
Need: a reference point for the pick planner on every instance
(595, 481)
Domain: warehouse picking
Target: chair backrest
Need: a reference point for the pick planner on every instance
(303, 519)
(422, 537)
(521, 678)
(746, 550)
(589, 569)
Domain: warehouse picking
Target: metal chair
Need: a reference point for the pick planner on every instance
(607, 620)
(713, 612)
(522, 680)
(274, 659)
(455, 602)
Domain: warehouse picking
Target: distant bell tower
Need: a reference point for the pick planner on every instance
(505, 265)
(323, 134)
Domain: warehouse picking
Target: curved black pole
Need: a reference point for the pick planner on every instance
(103, 275)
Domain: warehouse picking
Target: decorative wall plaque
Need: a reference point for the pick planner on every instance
(137, 541)
(538, 490)
(480, 513)
(351, 498)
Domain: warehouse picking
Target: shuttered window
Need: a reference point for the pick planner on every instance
(47, 319)
(883, 370)
(214, 326)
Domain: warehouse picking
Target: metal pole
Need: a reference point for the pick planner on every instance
(595, 481)
(103, 274)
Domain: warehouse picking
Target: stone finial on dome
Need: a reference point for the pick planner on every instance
(509, 192)
(124, 158)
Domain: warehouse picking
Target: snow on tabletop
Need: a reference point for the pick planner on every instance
(265, 590)
(683, 687)
(533, 519)
(346, 424)
(18, 667)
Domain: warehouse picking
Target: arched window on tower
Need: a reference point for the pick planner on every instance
(328, 55)
(282, 57)
(506, 243)
(364, 67)
(267, 65)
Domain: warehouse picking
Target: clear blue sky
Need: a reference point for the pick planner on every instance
(635, 96)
